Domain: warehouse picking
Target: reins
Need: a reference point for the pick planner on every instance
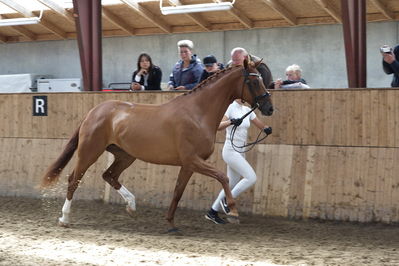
(252, 144)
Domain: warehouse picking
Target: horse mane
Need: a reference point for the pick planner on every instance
(215, 76)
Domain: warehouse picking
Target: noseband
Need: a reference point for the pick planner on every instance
(256, 98)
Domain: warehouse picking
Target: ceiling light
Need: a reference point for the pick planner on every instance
(20, 21)
(208, 7)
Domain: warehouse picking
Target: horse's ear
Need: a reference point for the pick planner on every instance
(258, 63)
(246, 63)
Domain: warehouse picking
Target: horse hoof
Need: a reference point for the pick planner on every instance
(233, 219)
(62, 224)
(174, 231)
(130, 211)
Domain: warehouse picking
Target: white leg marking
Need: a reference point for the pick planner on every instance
(128, 197)
(66, 209)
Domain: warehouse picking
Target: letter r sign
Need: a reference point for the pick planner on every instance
(39, 105)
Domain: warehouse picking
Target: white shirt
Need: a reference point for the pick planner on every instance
(236, 110)
(137, 78)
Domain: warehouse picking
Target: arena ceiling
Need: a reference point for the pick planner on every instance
(143, 17)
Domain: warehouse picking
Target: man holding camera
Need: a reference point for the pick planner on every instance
(390, 64)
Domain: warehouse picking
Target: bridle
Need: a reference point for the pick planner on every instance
(256, 100)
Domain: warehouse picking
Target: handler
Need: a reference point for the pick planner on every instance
(234, 157)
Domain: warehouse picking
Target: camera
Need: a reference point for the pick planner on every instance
(386, 49)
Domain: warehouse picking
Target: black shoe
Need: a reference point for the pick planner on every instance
(214, 218)
(223, 204)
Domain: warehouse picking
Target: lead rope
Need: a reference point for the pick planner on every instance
(252, 144)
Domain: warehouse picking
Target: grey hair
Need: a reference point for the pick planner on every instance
(239, 50)
(297, 69)
(185, 43)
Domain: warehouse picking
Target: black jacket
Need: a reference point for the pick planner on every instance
(286, 82)
(206, 74)
(393, 68)
(154, 79)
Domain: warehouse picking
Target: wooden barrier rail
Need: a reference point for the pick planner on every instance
(362, 117)
(332, 155)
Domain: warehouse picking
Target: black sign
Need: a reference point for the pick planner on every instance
(39, 106)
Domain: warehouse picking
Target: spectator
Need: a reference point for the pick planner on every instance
(211, 66)
(238, 56)
(187, 71)
(390, 64)
(147, 76)
(237, 165)
(294, 79)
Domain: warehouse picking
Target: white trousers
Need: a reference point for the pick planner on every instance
(237, 167)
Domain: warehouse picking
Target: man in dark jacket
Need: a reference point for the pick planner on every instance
(390, 64)
(238, 56)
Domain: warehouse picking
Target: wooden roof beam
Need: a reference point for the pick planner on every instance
(17, 7)
(117, 21)
(240, 16)
(276, 5)
(3, 39)
(148, 15)
(21, 30)
(330, 9)
(383, 8)
(195, 17)
(58, 9)
(27, 13)
(28, 34)
(51, 27)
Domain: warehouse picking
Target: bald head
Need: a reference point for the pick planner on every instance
(238, 56)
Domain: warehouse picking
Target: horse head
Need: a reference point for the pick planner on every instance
(257, 94)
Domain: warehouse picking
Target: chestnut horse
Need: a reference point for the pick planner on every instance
(181, 132)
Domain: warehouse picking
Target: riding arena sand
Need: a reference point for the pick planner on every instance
(104, 234)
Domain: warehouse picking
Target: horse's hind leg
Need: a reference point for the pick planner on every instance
(66, 209)
(122, 161)
(73, 183)
(88, 153)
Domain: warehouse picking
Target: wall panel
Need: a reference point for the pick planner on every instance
(332, 155)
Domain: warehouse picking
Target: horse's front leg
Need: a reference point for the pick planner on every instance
(205, 168)
(181, 183)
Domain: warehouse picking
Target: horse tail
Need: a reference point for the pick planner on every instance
(54, 170)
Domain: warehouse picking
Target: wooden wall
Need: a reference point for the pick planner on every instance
(332, 155)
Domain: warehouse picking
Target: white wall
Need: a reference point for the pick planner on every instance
(319, 50)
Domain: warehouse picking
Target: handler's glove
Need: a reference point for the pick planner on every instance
(268, 130)
(236, 121)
